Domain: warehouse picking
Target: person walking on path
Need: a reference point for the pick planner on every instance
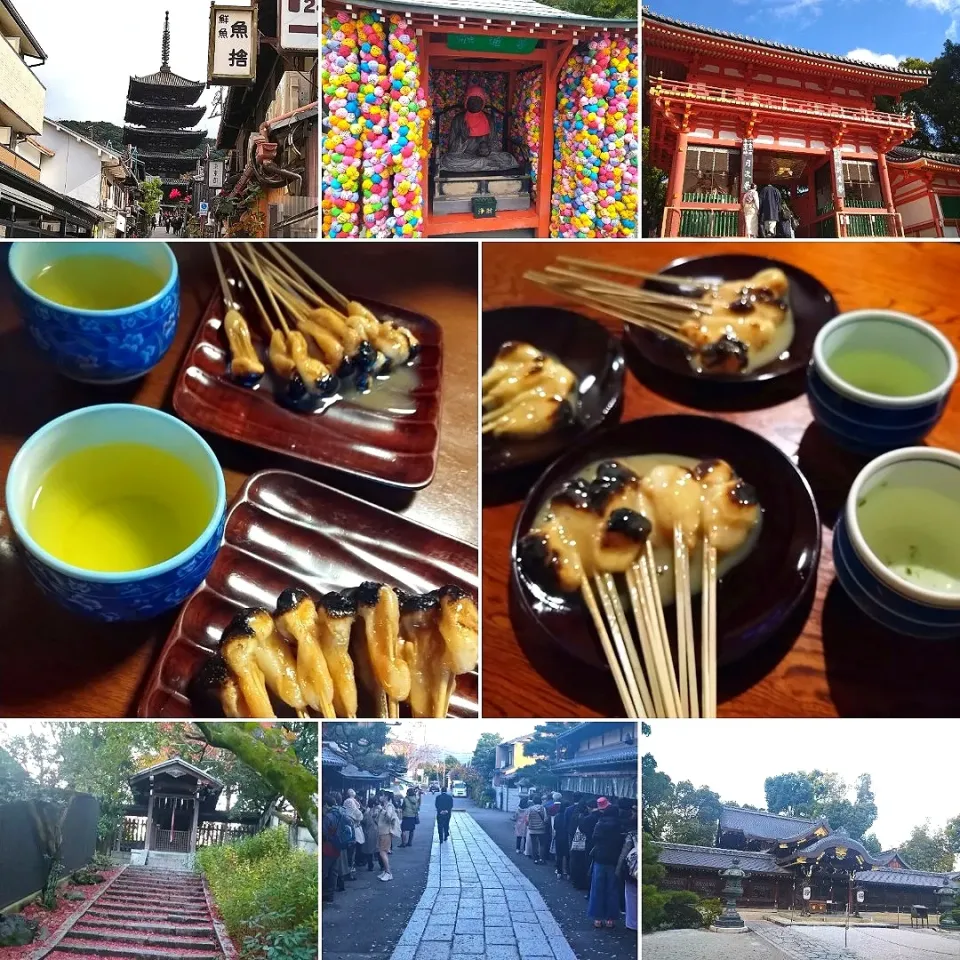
(627, 873)
(388, 827)
(537, 828)
(408, 813)
(444, 806)
(371, 837)
(520, 823)
(352, 809)
(604, 905)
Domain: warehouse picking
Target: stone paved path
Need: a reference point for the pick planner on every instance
(478, 906)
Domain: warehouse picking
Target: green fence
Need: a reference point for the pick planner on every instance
(709, 223)
(864, 225)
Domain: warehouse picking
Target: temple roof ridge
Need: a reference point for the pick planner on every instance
(775, 45)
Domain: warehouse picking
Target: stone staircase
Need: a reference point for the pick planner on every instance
(145, 913)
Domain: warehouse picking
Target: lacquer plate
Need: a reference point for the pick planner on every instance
(582, 345)
(812, 304)
(282, 531)
(755, 598)
(395, 446)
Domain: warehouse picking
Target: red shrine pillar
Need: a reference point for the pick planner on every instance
(934, 206)
(885, 188)
(675, 186)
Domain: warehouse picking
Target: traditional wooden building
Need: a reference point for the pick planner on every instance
(160, 116)
(800, 864)
(338, 774)
(599, 758)
(926, 191)
(724, 109)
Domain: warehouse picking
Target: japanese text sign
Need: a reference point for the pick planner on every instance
(233, 44)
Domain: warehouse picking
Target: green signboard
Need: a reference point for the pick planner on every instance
(491, 44)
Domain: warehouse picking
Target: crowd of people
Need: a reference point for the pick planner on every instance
(767, 213)
(171, 222)
(361, 833)
(592, 843)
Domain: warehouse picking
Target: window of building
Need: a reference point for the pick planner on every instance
(861, 184)
(711, 173)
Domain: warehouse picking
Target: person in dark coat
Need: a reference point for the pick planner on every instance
(578, 855)
(608, 835)
(444, 807)
(769, 209)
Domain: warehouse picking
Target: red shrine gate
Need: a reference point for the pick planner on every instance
(724, 109)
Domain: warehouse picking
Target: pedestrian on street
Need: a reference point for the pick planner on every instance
(604, 905)
(370, 835)
(444, 807)
(332, 837)
(520, 823)
(352, 809)
(552, 808)
(578, 847)
(166, 223)
(388, 827)
(627, 873)
(537, 828)
(561, 840)
(408, 823)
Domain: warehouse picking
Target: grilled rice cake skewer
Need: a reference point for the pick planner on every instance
(379, 610)
(367, 678)
(298, 623)
(336, 613)
(459, 627)
(239, 647)
(216, 680)
(423, 649)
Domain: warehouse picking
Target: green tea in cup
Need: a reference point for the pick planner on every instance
(882, 372)
(97, 282)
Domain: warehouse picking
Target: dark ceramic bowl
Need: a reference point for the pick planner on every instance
(579, 343)
(812, 304)
(754, 598)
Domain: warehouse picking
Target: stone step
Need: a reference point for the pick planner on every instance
(67, 950)
(135, 896)
(150, 885)
(184, 930)
(161, 914)
(142, 939)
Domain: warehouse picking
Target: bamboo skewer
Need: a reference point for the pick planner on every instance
(629, 658)
(685, 641)
(310, 272)
(663, 661)
(244, 362)
(708, 641)
(619, 645)
(700, 282)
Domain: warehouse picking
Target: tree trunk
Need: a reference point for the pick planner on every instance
(282, 771)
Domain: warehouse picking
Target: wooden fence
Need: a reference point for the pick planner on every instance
(21, 862)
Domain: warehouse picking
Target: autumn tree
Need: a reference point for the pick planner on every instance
(484, 759)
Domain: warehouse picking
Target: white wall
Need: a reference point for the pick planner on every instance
(75, 168)
(20, 91)
(916, 211)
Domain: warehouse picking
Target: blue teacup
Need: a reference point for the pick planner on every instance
(136, 594)
(99, 346)
(894, 545)
(871, 423)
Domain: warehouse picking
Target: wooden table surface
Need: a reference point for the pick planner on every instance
(55, 665)
(834, 661)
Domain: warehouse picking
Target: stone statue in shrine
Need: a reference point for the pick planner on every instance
(472, 143)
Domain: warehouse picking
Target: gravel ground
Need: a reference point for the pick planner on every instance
(700, 945)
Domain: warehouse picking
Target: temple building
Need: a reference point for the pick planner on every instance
(725, 109)
(599, 758)
(800, 864)
(926, 191)
(161, 114)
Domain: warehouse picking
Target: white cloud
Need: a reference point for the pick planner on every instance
(868, 56)
(941, 6)
(91, 55)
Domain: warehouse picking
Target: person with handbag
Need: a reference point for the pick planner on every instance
(604, 905)
(388, 827)
(578, 848)
(408, 814)
(627, 872)
(352, 809)
(537, 828)
(561, 841)
(520, 823)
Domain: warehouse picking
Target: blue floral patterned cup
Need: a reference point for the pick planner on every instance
(137, 594)
(99, 346)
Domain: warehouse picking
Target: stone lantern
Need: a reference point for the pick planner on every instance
(947, 896)
(732, 891)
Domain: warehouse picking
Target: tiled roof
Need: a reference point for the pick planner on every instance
(602, 756)
(885, 856)
(716, 858)
(838, 839)
(165, 77)
(902, 878)
(907, 154)
(772, 44)
(759, 823)
(330, 759)
(501, 9)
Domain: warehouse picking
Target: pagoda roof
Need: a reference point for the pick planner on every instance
(160, 138)
(515, 10)
(763, 825)
(910, 156)
(165, 86)
(164, 114)
(901, 72)
(166, 163)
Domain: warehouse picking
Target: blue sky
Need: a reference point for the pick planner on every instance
(879, 31)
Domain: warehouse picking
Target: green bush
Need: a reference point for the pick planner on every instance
(651, 908)
(101, 861)
(264, 888)
(85, 876)
(17, 931)
(680, 910)
(710, 910)
(272, 940)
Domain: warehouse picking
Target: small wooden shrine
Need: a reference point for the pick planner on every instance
(160, 117)
(798, 864)
(725, 109)
(560, 101)
(177, 798)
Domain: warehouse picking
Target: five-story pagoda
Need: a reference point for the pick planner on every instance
(160, 114)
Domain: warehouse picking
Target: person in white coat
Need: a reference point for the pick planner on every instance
(751, 209)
